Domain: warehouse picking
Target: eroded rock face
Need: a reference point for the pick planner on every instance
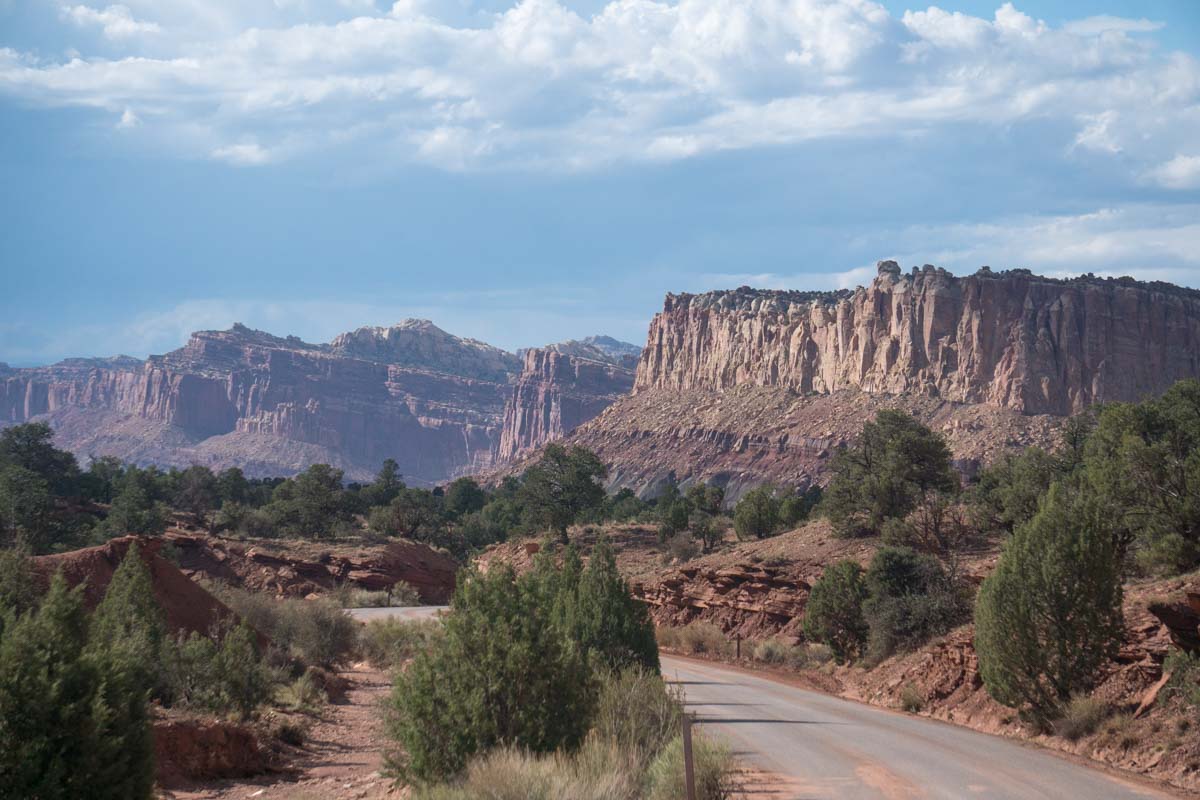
(274, 405)
(440, 405)
(560, 388)
(1014, 340)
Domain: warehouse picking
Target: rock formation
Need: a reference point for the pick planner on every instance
(432, 401)
(745, 386)
(1014, 340)
(561, 387)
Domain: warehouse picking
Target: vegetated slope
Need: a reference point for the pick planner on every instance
(745, 386)
(434, 402)
(758, 590)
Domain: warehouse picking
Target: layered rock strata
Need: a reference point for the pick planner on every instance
(559, 389)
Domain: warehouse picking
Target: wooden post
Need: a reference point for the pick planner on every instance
(689, 769)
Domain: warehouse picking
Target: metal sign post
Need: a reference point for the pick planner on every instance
(689, 769)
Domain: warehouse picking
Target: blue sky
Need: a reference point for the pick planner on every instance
(528, 172)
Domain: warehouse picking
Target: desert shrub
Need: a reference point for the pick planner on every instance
(895, 463)
(73, 721)
(668, 637)
(912, 699)
(712, 761)
(756, 515)
(598, 772)
(1050, 614)
(219, 673)
(704, 637)
(503, 672)
(1185, 676)
(289, 732)
(389, 643)
(796, 506)
(637, 711)
(402, 594)
(317, 631)
(1081, 716)
(683, 547)
(909, 601)
(834, 613)
(780, 653)
(302, 694)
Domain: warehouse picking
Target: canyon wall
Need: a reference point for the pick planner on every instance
(747, 386)
(1013, 340)
(440, 405)
(556, 393)
(273, 405)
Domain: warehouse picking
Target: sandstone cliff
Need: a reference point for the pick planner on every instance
(561, 387)
(743, 387)
(1012, 339)
(273, 405)
(434, 402)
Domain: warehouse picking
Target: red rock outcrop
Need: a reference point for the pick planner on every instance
(186, 605)
(560, 388)
(428, 571)
(190, 749)
(1012, 339)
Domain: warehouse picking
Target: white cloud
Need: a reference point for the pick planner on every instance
(540, 84)
(129, 119)
(1148, 242)
(116, 21)
(1181, 172)
(1104, 23)
(244, 155)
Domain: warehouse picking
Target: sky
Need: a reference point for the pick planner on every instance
(527, 172)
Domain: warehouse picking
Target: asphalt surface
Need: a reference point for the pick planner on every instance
(827, 747)
(818, 746)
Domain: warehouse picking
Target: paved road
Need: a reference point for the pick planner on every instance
(833, 748)
(403, 612)
(826, 747)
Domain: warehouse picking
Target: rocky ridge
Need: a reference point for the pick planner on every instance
(273, 405)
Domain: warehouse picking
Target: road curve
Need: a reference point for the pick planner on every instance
(827, 747)
(822, 746)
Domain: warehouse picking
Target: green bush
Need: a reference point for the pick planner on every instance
(599, 772)
(224, 674)
(756, 515)
(73, 721)
(1050, 614)
(909, 601)
(502, 673)
(834, 612)
(609, 625)
(131, 625)
(895, 463)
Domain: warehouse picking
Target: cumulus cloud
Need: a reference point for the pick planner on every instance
(1181, 172)
(540, 84)
(116, 21)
